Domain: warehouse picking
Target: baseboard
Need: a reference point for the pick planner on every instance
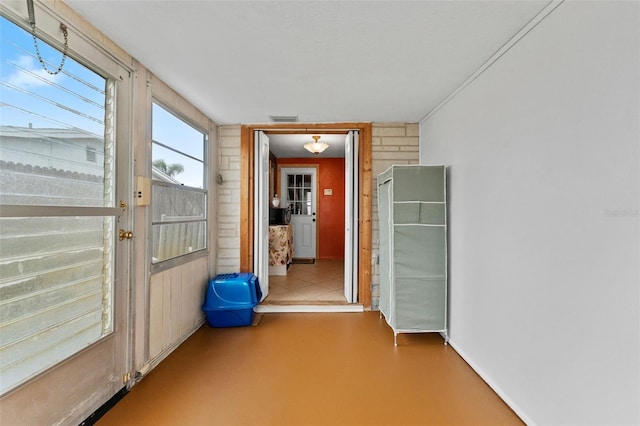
(526, 419)
(264, 309)
(97, 415)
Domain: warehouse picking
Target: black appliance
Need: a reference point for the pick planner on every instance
(279, 215)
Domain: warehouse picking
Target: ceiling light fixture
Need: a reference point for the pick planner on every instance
(316, 147)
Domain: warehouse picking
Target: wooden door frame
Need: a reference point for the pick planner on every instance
(247, 165)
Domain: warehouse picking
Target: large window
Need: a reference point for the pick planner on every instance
(179, 197)
(57, 182)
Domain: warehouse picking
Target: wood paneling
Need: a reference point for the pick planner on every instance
(175, 299)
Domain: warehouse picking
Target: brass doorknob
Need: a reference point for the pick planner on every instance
(125, 234)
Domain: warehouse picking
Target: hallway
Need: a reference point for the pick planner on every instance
(311, 369)
(319, 282)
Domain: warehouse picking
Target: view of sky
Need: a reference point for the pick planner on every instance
(75, 99)
(29, 95)
(174, 133)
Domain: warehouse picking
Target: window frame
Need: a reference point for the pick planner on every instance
(180, 111)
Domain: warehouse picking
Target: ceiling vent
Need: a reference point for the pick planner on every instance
(284, 118)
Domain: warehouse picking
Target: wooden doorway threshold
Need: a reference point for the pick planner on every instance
(285, 307)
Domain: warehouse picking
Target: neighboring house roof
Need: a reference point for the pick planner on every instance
(157, 174)
(70, 136)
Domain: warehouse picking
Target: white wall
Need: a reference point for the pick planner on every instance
(543, 150)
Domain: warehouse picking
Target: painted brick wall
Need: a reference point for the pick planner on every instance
(393, 143)
(228, 200)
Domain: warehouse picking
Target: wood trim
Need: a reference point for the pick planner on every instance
(364, 255)
(246, 192)
(246, 199)
(297, 132)
(341, 127)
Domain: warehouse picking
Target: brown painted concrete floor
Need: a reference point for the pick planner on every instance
(312, 369)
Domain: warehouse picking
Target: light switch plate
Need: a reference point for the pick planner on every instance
(143, 191)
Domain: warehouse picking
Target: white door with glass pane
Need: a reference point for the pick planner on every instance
(63, 269)
(298, 188)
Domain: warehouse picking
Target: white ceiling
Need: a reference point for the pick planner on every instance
(292, 145)
(323, 61)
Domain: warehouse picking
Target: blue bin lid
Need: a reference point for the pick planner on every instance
(232, 291)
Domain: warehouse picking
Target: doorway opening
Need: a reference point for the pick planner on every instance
(314, 272)
(283, 243)
(326, 270)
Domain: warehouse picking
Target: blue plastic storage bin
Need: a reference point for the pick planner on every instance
(230, 299)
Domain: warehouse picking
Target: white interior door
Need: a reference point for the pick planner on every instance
(299, 192)
(261, 212)
(351, 218)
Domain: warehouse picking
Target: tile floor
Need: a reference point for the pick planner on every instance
(320, 282)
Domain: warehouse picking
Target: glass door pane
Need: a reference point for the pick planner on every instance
(299, 193)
